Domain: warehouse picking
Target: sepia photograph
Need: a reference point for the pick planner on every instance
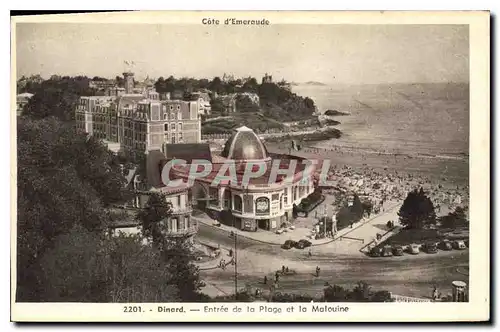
(216, 158)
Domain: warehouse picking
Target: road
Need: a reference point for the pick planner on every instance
(405, 275)
(217, 235)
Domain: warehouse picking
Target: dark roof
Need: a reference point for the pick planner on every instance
(183, 171)
(188, 152)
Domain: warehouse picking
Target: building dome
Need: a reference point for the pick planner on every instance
(244, 144)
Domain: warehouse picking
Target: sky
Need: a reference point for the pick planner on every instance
(345, 54)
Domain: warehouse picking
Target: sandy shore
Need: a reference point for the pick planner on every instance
(446, 171)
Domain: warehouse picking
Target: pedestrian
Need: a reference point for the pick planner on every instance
(230, 252)
(310, 254)
(317, 271)
(283, 269)
(286, 270)
(277, 277)
(435, 293)
(265, 280)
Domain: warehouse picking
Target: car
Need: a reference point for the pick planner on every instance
(279, 231)
(292, 228)
(302, 244)
(387, 251)
(466, 242)
(289, 244)
(430, 248)
(446, 245)
(375, 252)
(414, 249)
(397, 251)
(459, 245)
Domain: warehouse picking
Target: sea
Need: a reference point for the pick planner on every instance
(413, 119)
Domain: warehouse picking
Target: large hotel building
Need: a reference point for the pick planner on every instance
(135, 119)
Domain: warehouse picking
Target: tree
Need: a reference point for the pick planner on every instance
(245, 105)
(63, 181)
(417, 210)
(58, 97)
(381, 296)
(154, 218)
(178, 256)
(74, 269)
(360, 293)
(216, 85)
(175, 253)
(87, 267)
(335, 293)
(120, 81)
(455, 219)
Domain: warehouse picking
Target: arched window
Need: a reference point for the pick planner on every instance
(166, 126)
(238, 203)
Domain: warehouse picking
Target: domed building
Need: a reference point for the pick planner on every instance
(244, 145)
(247, 187)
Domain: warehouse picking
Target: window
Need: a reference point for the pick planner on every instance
(285, 196)
(276, 197)
(179, 115)
(181, 138)
(179, 200)
(238, 203)
(173, 140)
(171, 107)
(172, 126)
(166, 126)
(165, 116)
(179, 126)
(227, 199)
(174, 223)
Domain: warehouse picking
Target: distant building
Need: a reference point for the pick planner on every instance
(228, 103)
(203, 99)
(22, 100)
(254, 98)
(115, 91)
(227, 78)
(179, 224)
(285, 85)
(138, 122)
(267, 79)
(165, 96)
(102, 85)
(265, 202)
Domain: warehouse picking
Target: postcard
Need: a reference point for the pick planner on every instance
(251, 167)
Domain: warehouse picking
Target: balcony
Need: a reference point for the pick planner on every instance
(191, 230)
(188, 209)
